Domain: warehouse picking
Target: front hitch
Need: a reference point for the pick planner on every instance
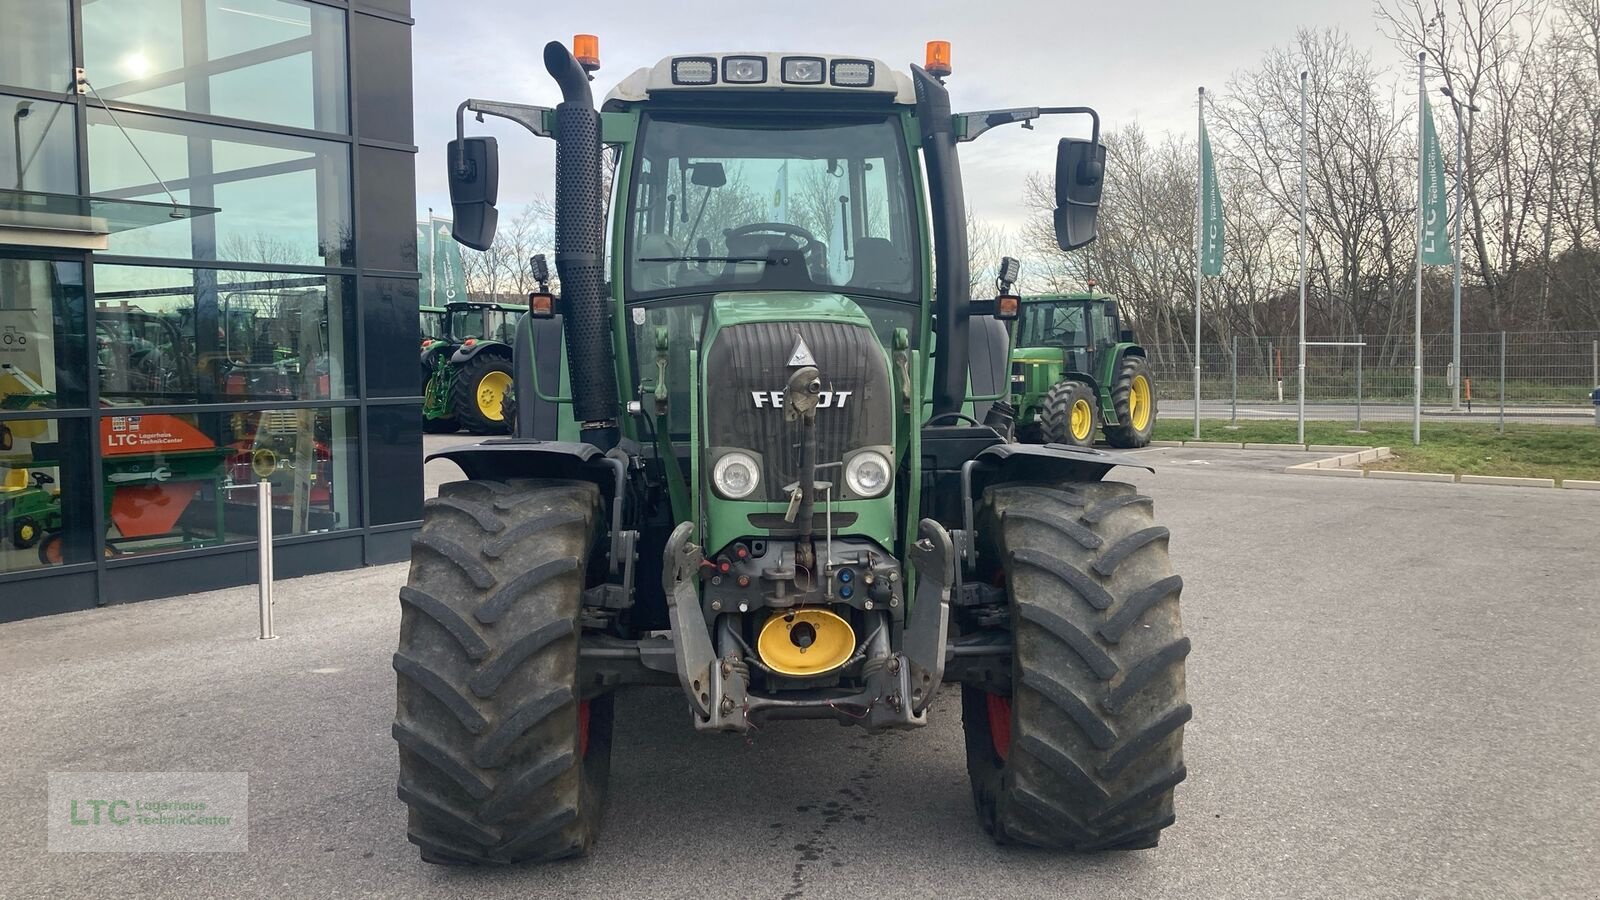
(898, 685)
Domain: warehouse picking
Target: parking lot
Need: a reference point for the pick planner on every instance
(1394, 687)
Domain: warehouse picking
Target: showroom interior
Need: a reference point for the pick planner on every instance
(208, 280)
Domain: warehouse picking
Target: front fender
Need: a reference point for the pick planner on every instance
(502, 458)
(1038, 463)
(1051, 462)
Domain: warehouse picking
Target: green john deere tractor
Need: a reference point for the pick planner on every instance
(1075, 369)
(759, 457)
(466, 371)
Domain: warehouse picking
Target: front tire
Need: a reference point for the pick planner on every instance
(25, 532)
(1069, 414)
(1133, 397)
(502, 760)
(1082, 750)
(478, 392)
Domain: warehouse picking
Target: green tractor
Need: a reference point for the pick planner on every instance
(466, 372)
(1075, 369)
(28, 511)
(760, 458)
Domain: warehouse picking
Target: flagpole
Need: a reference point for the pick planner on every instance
(433, 253)
(1416, 372)
(1199, 205)
(1301, 430)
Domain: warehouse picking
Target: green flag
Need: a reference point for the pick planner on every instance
(449, 278)
(1435, 237)
(1210, 209)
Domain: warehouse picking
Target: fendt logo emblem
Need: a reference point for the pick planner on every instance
(825, 400)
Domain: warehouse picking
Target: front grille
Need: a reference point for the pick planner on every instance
(746, 360)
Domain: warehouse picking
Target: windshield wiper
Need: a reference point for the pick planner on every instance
(701, 259)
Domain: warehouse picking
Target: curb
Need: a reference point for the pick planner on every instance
(1412, 476)
(1573, 484)
(1508, 481)
(1346, 464)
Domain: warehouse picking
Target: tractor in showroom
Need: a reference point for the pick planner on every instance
(759, 456)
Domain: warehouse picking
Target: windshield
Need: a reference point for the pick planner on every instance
(1051, 325)
(711, 201)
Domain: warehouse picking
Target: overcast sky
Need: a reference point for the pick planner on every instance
(1133, 60)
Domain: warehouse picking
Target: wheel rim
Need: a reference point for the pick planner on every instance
(26, 532)
(1082, 419)
(583, 729)
(1139, 402)
(491, 391)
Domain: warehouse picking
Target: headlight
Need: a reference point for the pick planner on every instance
(867, 474)
(694, 70)
(744, 69)
(852, 73)
(736, 475)
(803, 70)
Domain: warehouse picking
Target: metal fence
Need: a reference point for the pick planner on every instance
(1526, 376)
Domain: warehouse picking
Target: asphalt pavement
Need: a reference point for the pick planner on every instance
(1394, 687)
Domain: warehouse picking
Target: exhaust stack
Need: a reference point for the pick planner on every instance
(580, 250)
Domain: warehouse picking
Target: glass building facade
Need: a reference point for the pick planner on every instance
(208, 280)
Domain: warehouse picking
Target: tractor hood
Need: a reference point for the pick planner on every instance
(753, 343)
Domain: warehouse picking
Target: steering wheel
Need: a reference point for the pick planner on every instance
(783, 228)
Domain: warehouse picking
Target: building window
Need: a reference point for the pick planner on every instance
(36, 44)
(168, 336)
(284, 200)
(171, 482)
(38, 148)
(383, 92)
(275, 61)
(43, 351)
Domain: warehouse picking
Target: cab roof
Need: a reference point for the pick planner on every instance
(663, 78)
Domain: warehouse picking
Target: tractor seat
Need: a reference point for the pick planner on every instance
(654, 276)
(879, 264)
(15, 480)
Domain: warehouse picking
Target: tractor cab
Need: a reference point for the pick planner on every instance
(464, 320)
(1080, 326)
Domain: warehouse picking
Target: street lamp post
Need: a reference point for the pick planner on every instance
(1455, 290)
(23, 108)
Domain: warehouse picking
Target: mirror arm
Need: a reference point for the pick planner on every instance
(979, 122)
(533, 118)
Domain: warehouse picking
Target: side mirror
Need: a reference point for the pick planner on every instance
(1080, 176)
(474, 165)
